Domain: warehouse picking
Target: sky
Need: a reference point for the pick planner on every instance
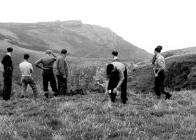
(144, 23)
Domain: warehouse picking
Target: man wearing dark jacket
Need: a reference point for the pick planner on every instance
(61, 71)
(7, 73)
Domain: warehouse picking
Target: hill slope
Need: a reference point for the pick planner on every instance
(189, 50)
(81, 40)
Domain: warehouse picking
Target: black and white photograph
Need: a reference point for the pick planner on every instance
(97, 70)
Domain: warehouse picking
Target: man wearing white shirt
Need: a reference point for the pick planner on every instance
(117, 78)
(159, 70)
(26, 69)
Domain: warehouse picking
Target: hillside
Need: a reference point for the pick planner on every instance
(189, 50)
(180, 74)
(81, 40)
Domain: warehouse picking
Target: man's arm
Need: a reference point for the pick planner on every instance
(121, 79)
(161, 63)
(11, 64)
(65, 70)
(54, 55)
(55, 66)
(37, 63)
(106, 85)
(31, 68)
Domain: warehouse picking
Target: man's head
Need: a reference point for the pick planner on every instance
(10, 50)
(158, 49)
(48, 52)
(64, 52)
(26, 56)
(115, 53)
(109, 69)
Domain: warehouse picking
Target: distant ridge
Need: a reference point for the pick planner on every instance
(81, 40)
(178, 52)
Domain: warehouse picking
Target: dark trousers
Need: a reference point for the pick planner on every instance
(62, 85)
(7, 85)
(28, 80)
(48, 76)
(124, 88)
(159, 85)
(113, 82)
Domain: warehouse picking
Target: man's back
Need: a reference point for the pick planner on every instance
(26, 68)
(48, 62)
(61, 66)
(119, 66)
(7, 63)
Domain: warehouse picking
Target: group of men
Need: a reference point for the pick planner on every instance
(117, 77)
(53, 67)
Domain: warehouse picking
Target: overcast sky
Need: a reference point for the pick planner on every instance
(145, 23)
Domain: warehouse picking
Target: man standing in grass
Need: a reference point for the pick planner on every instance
(7, 73)
(122, 83)
(61, 71)
(26, 69)
(46, 64)
(116, 79)
(159, 72)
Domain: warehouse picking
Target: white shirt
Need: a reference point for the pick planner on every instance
(120, 67)
(26, 68)
(115, 58)
(160, 62)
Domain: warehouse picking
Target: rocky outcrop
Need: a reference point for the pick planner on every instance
(180, 74)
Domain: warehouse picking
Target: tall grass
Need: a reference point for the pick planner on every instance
(89, 117)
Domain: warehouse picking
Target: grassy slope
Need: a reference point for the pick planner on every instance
(88, 117)
(180, 74)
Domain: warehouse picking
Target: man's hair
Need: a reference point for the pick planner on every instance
(26, 56)
(158, 48)
(48, 52)
(10, 49)
(109, 69)
(63, 51)
(115, 53)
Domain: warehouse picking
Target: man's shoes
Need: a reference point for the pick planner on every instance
(22, 96)
(168, 96)
(6, 99)
(55, 94)
(46, 95)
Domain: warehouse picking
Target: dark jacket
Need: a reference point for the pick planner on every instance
(7, 64)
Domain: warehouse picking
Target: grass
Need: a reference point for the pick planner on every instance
(88, 117)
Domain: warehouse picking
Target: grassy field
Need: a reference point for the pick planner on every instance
(88, 117)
